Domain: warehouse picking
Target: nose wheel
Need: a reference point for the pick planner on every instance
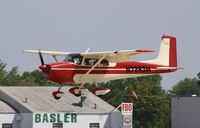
(58, 94)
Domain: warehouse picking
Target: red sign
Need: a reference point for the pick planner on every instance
(127, 107)
(127, 120)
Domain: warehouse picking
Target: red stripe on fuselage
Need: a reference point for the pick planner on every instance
(64, 72)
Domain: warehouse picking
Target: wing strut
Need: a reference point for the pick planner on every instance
(88, 72)
(98, 62)
(54, 56)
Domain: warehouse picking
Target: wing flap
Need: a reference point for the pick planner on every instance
(115, 53)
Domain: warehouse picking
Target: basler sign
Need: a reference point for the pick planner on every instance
(55, 118)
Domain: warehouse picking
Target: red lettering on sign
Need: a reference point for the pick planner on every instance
(127, 107)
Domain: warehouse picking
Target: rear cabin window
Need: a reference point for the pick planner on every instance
(90, 61)
(104, 62)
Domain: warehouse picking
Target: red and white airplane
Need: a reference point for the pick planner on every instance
(95, 67)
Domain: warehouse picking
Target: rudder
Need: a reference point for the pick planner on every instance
(167, 54)
(172, 50)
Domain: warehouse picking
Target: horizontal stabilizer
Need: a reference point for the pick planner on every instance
(169, 68)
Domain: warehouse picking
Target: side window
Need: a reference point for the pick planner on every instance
(94, 125)
(90, 61)
(6, 125)
(104, 62)
(75, 58)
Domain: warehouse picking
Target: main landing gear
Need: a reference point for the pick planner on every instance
(78, 91)
(58, 94)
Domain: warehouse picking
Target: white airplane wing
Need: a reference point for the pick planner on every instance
(112, 56)
(116, 56)
(115, 53)
(52, 53)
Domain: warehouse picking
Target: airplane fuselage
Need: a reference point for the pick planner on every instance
(68, 72)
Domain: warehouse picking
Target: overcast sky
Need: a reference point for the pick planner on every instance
(75, 25)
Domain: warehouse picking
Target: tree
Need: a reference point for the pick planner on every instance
(35, 77)
(2, 72)
(186, 87)
(13, 78)
(198, 81)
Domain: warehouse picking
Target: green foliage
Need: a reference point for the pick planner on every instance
(2, 71)
(186, 87)
(35, 77)
(13, 78)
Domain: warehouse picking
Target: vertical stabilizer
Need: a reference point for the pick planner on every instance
(168, 52)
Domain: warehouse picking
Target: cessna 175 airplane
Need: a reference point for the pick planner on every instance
(82, 68)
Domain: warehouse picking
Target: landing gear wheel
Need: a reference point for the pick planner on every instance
(57, 94)
(78, 95)
(75, 91)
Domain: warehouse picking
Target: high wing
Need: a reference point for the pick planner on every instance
(111, 56)
(52, 53)
(117, 56)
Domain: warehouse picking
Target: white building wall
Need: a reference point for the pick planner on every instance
(46, 120)
(6, 118)
(71, 120)
(85, 120)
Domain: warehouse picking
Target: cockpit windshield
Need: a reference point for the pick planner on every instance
(75, 58)
(87, 61)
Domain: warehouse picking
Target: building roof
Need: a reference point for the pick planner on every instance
(40, 99)
(5, 108)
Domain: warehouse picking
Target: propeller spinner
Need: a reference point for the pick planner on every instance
(44, 67)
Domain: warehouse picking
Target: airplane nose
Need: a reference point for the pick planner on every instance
(45, 68)
(42, 67)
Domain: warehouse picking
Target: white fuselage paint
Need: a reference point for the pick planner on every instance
(163, 57)
(82, 78)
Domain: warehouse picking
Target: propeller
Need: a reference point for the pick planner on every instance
(41, 57)
(45, 68)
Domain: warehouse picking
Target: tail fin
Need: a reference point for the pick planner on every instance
(168, 52)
